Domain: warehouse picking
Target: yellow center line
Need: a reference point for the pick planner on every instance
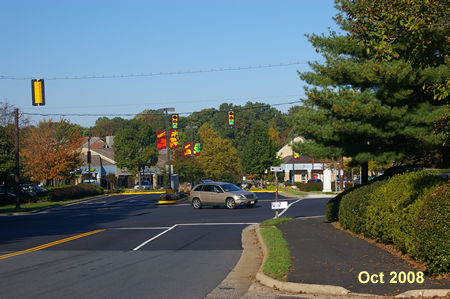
(40, 247)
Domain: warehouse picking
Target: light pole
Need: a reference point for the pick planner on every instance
(192, 128)
(165, 111)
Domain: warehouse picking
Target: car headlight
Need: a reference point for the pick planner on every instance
(239, 197)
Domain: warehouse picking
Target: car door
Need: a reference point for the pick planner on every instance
(206, 194)
(217, 196)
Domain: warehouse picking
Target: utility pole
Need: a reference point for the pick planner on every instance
(17, 167)
(165, 111)
(89, 158)
(192, 128)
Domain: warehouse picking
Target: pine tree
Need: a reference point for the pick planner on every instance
(371, 99)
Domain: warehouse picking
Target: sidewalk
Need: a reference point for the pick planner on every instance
(324, 255)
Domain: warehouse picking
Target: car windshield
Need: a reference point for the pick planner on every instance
(230, 187)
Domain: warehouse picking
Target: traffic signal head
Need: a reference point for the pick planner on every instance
(175, 121)
(37, 92)
(231, 117)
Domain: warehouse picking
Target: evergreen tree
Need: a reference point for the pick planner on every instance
(369, 99)
(259, 152)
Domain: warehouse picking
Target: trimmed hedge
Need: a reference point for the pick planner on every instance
(353, 206)
(309, 187)
(75, 192)
(432, 230)
(410, 211)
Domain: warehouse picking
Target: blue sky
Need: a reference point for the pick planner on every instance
(55, 39)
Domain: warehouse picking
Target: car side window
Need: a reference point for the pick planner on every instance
(198, 188)
(209, 188)
(217, 189)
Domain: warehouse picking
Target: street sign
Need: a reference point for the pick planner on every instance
(275, 169)
(279, 205)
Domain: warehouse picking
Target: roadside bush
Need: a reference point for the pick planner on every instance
(353, 205)
(432, 228)
(332, 209)
(75, 192)
(309, 187)
(390, 215)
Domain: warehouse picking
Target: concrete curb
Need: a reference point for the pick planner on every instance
(291, 286)
(315, 289)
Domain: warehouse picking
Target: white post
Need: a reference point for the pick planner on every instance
(326, 180)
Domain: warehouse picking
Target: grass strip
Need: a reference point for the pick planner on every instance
(29, 207)
(275, 222)
(279, 258)
(293, 192)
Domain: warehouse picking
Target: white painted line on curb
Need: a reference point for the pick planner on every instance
(155, 237)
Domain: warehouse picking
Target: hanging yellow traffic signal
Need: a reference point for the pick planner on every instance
(37, 92)
(231, 117)
(175, 121)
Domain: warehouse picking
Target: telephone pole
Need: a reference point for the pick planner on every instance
(17, 167)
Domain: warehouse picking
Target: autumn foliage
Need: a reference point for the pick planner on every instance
(51, 150)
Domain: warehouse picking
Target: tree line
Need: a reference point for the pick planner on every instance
(380, 96)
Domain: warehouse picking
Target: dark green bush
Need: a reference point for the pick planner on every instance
(432, 230)
(309, 187)
(332, 209)
(74, 192)
(390, 216)
(352, 209)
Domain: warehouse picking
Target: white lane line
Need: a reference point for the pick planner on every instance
(199, 224)
(284, 211)
(143, 228)
(172, 227)
(155, 237)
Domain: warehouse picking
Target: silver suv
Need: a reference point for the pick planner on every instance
(218, 194)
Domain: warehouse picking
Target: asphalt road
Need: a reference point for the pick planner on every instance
(127, 246)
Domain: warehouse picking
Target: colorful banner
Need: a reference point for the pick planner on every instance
(161, 140)
(197, 148)
(187, 149)
(173, 139)
(297, 156)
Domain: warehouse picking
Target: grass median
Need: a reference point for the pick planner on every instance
(278, 258)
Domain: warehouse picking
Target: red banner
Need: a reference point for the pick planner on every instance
(187, 149)
(161, 140)
(173, 139)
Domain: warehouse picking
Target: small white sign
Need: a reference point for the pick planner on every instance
(275, 169)
(279, 205)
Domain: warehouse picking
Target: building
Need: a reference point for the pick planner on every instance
(300, 169)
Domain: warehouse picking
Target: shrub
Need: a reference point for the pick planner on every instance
(74, 192)
(309, 187)
(353, 205)
(389, 215)
(432, 230)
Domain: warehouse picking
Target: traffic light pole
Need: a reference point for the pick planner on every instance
(166, 110)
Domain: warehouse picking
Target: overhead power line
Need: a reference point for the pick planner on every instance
(152, 113)
(214, 70)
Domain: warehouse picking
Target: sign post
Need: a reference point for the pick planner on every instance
(275, 170)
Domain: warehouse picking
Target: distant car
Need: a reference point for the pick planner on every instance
(91, 182)
(315, 181)
(246, 185)
(33, 188)
(218, 194)
(5, 196)
(144, 185)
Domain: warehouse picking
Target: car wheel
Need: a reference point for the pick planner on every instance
(196, 203)
(230, 203)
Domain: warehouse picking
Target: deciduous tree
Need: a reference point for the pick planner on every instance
(219, 157)
(51, 150)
